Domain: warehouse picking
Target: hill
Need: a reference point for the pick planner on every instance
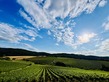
(22, 52)
(20, 71)
(46, 67)
(71, 62)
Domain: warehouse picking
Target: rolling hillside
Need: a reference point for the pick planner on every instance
(22, 52)
(23, 72)
(45, 67)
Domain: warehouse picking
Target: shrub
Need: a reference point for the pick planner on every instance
(105, 68)
(59, 64)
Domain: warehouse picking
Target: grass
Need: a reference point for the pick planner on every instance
(45, 71)
(12, 65)
(19, 71)
(70, 62)
(48, 73)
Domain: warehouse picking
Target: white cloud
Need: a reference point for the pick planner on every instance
(26, 17)
(34, 13)
(12, 34)
(51, 15)
(63, 8)
(102, 49)
(44, 15)
(57, 44)
(86, 52)
(49, 33)
(40, 1)
(81, 6)
(104, 45)
(59, 8)
(106, 24)
(102, 3)
(64, 35)
(85, 38)
(28, 46)
(92, 5)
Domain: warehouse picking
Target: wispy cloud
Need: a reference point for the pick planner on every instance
(81, 6)
(73, 8)
(104, 45)
(101, 50)
(51, 15)
(29, 47)
(12, 34)
(64, 35)
(106, 24)
(34, 14)
(45, 15)
(87, 52)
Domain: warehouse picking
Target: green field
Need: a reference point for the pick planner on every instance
(12, 65)
(21, 71)
(70, 62)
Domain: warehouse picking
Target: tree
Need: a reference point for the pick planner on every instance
(59, 64)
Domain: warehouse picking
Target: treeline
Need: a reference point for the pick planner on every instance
(22, 52)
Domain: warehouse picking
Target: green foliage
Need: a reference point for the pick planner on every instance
(70, 62)
(59, 64)
(49, 73)
(12, 65)
(23, 71)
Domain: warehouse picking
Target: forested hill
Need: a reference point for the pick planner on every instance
(22, 52)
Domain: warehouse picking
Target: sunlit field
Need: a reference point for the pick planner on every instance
(26, 71)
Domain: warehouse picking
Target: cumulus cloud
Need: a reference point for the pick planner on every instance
(59, 8)
(64, 35)
(57, 16)
(45, 15)
(85, 38)
(102, 3)
(12, 34)
(63, 8)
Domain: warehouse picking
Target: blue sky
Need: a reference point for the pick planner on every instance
(54, 26)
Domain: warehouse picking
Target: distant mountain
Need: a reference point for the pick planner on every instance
(22, 52)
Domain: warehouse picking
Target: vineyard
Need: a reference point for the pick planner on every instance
(70, 62)
(9, 65)
(49, 73)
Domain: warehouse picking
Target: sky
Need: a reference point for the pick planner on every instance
(56, 26)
